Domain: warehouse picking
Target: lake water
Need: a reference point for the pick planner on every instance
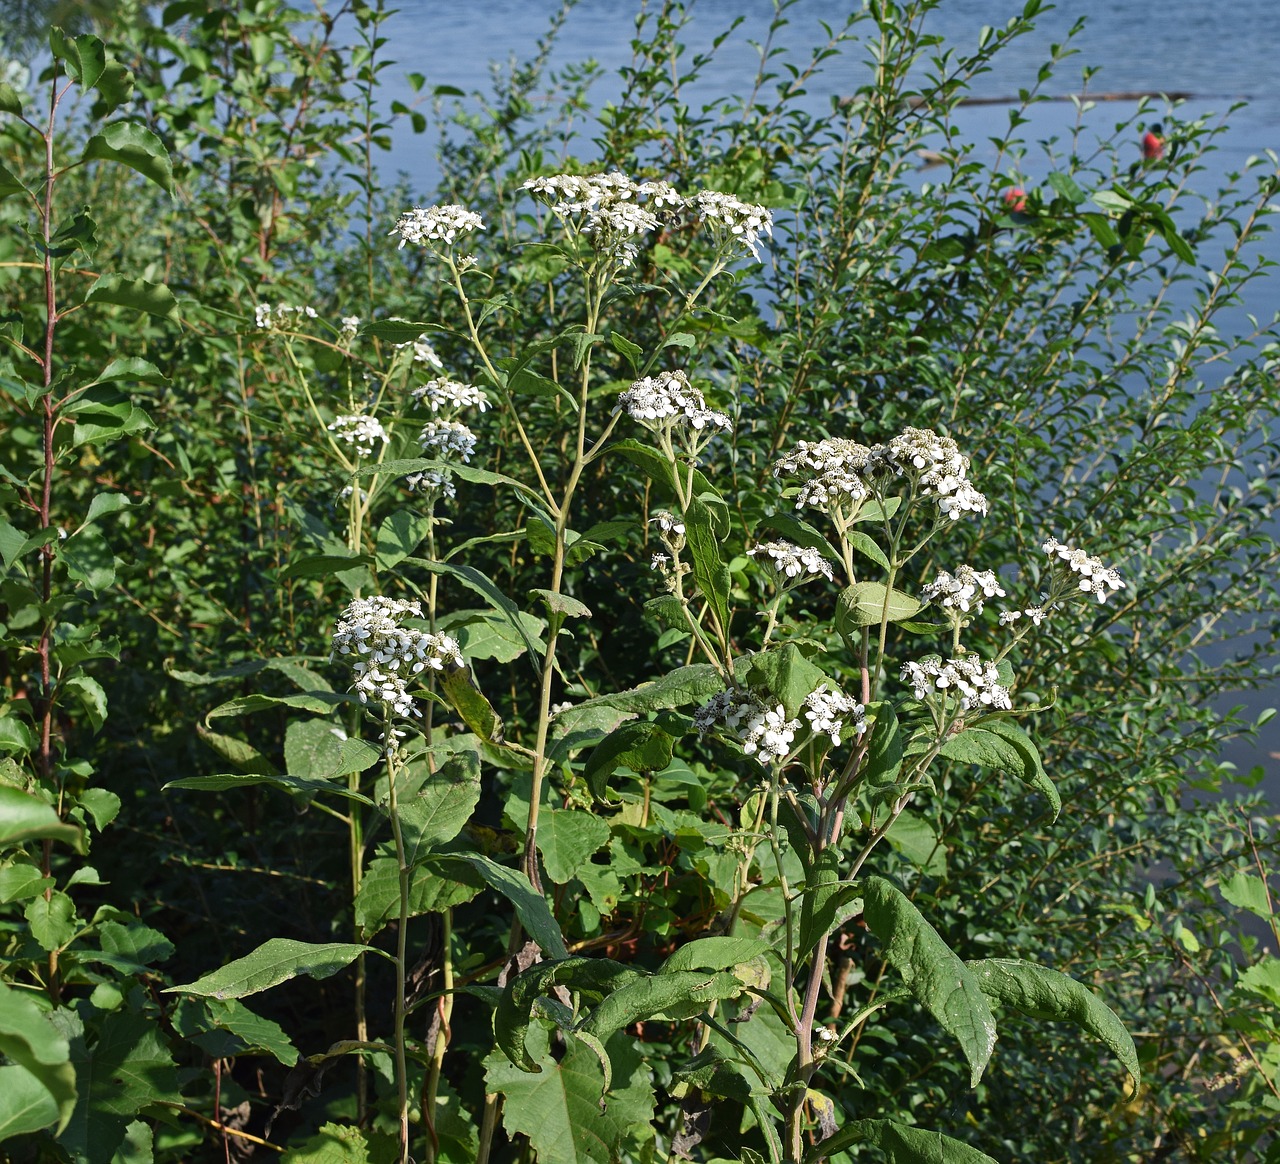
(1219, 54)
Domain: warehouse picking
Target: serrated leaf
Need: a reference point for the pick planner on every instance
(320, 702)
(568, 839)
(378, 900)
(786, 675)
(564, 604)
(28, 1039)
(272, 963)
(135, 146)
(936, 977)
(88, 558)
(338, 1143)
(26, 1105)
(257, 1033)
(442, 806)
(399, 535)
(1047, 994)
(884, 752)
(709, 570)
(684, 685)
(641, 745)
(678, 994)
(10, 183)
(1245, 891)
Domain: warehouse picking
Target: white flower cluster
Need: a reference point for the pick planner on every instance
(764, 732)
(669, 525)
(347, 332)
(613, 205)
(733, 221)
(975, 682)
(362, 431)
(1037, 614)
(386, 655)
(827, 711)
(939, 467)
(1095, 578)
(448, 439)
(426, 225)
(965, 588)
(791, 561)
(838, 468)
(269, 318)
(669, 399)
(450, 396)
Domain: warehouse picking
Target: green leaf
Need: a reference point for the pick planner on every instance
(827, 900)
(1245, 891)
(1047, 994)
(915, 838)
(869, 548)
(709, 571)
(318, 749)
(718, 953)
(136, 946)
(399, 535)
(21, 880)
(272, 963)
(115, 87)
(26, 818)
(632, 353)
(28, 1039)
(900, 1144)
(464, 694)
(130, 369)
(684, 685)
(1112, 200)
(344, 1144)
(1065, 185)
(10, 183)
(531, 908)
(26, 1104)
(442, 806)
(128, 1069)
(258, 1034)
(559, 1109)
(91, 697)
(937, 978)
(378, 900)
(135, 146)
(786, 675)
(884, 753)
(88, 559)
(141, 295)
(1002, 745)
(1263, 979)
(568, 839)
(10, 102)
(675, 995)
(641, 745)
(557, 603)
(656, 467)
(865, 603)
(320, 702)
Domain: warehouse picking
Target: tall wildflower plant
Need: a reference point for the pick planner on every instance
(825, 750)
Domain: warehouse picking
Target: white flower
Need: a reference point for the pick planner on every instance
(763, 731)
(424, 226)
(385, 655)
(669, 399)
(732, 221)
(660, 562)
(827, 711)
(270, 318)
(347, 333)
(450, 395)
(830, 488)
(975, 682)
(433, 480)
(361, 431)
(937, 466)
(668, 523)
(814, 457)
(791, 561)
(1094, 578)
(448, 439)
(423, 352)
(966, 588)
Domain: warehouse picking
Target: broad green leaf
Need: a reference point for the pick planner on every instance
(104, 504)
(21, 880)
(866, 603)
(153, 298)
(684, 685)
(915, 838)
(26, 818)
(1263, 979)
(530, 907)
(655, 466)
(10, 102)
(92, 698)
(239, 752)
(900, 1144)
(718, 953)
(828, 900)
(593, 978)
(1112, 200)
(557, 603)
(441, 807)
(1065, 185)
(137, 944)
(1047, 994)
(568, 839)
(676, 995)
(29, 1039)
(272, 963)
(786, 675)
(10, 183)
(115, 87)
(26, 1105)
(559, 1109)
(128, 1069)
(378, 900)
(1002, 745)
(258, 1034)
(868, 547)
(937, 978)
(317, 749)
(402, 467)
(88, 559)
(138, 148)
(641, 745)
(399, 535)
(321, 702)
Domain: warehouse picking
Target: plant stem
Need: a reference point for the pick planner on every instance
(402, 1073)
